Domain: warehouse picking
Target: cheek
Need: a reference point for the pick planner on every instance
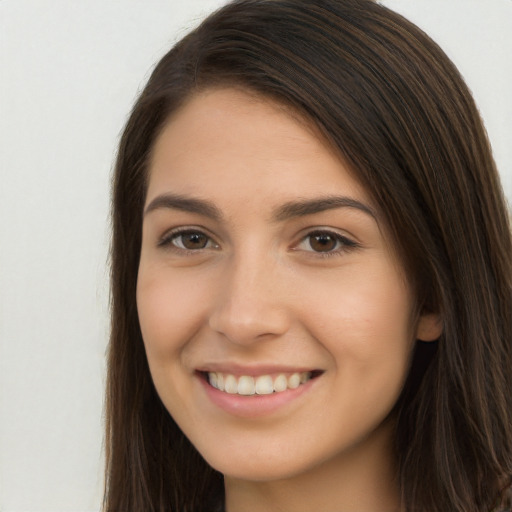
(369, 337)
(170, 309)
(364, 321)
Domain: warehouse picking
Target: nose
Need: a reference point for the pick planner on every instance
(251, 303)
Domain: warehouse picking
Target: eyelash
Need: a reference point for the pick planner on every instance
(167, 241)
(343, 244)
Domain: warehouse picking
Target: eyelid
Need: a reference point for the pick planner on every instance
(345, 243)
(165, 241)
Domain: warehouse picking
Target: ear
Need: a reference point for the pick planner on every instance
(429, 327)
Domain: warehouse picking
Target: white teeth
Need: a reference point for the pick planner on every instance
(280, 383)
(263, 385)
(294, 380)
(213, 380)
(245, 385)
(230, 384)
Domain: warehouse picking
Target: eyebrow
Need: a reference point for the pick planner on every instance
(184, 203)
(292, 209)
(301, 208)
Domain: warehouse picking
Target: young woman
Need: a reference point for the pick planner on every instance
(311, 275)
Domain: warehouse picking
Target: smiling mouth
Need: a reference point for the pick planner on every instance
(247, 385)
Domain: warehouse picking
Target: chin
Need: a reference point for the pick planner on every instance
(264, 462)
(258, 470)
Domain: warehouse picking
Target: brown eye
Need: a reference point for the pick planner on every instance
(194, 240)
(189, 240)
(326, 242)
(323, 242)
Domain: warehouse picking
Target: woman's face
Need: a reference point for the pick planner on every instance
(277, 320)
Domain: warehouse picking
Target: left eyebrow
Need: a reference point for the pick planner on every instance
(186, 204)
(312, 206)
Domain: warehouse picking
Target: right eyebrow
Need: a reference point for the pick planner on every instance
(301, 208)
(186, 204)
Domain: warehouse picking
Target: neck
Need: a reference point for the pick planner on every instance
(363, 479)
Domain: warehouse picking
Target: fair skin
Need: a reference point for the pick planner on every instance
(264, 262)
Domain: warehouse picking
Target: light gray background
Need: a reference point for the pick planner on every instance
(70, 71)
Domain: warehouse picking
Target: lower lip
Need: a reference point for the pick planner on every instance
(254, 405)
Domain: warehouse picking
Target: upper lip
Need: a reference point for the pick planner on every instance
(253, 370)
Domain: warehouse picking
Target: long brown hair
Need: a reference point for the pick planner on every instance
(389, 100)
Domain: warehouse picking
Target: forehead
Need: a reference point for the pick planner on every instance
(232, 140)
